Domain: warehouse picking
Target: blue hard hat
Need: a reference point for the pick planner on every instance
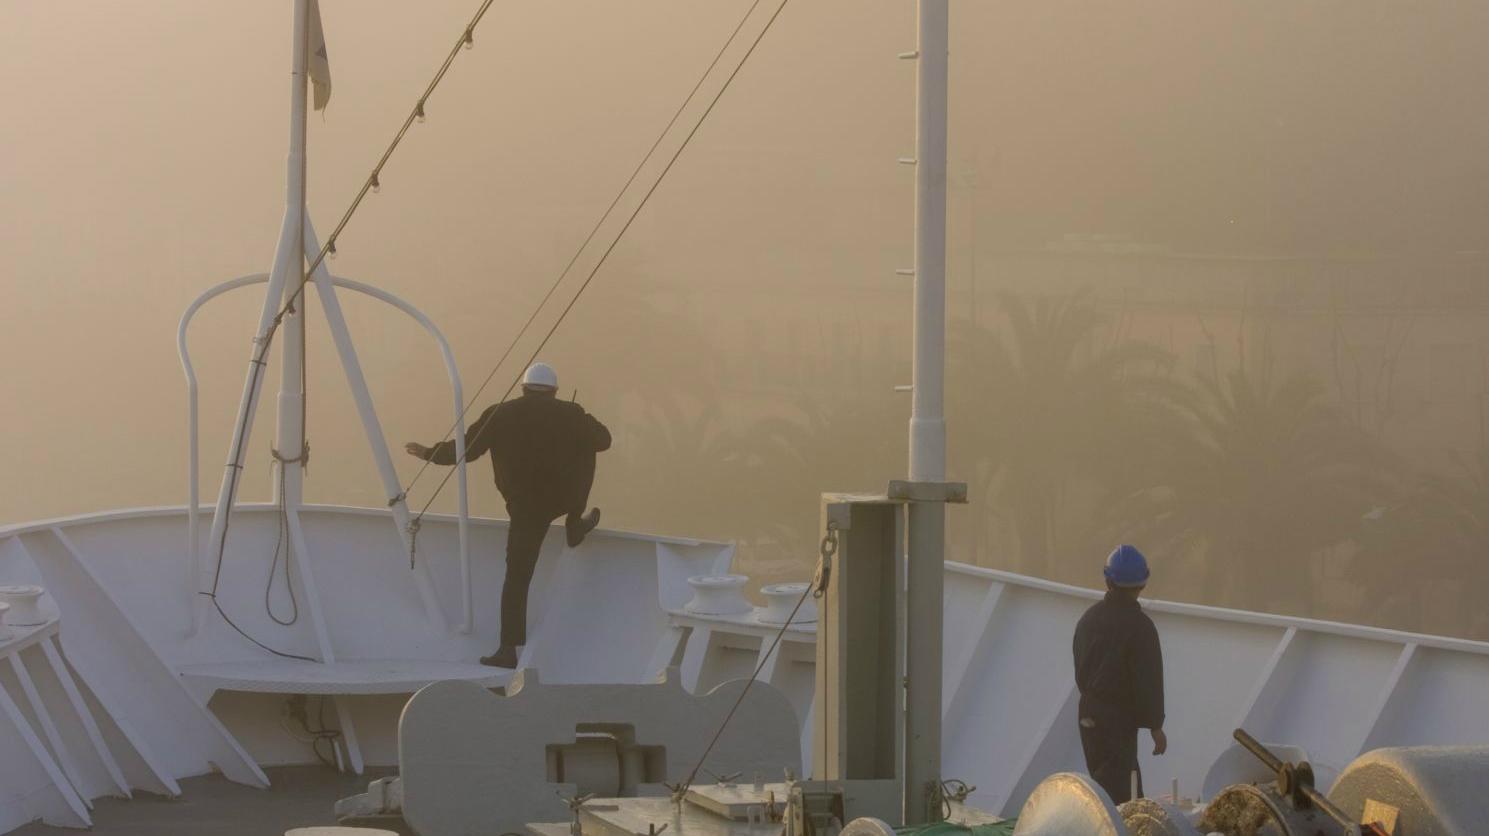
(1126, 566)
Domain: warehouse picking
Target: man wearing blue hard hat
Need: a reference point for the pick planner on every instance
(1119, 671)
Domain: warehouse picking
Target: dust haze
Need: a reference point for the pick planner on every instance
(1218, 273)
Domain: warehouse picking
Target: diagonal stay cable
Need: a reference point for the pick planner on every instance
(262, 342)
(724, 724)
(818, 588)
(542, 303)
(621, 234)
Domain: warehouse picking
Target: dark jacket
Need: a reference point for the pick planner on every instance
(540, 448)
(1119, 664)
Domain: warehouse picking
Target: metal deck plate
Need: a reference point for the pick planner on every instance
(733, 801)
(644, 816)
(369, 676)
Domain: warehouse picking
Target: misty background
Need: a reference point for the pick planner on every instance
(1218, 273)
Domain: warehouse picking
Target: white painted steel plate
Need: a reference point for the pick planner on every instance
(366, 676)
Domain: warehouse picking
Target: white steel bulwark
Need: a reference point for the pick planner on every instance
(614, 610)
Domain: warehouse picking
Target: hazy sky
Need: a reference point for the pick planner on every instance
(141, 160)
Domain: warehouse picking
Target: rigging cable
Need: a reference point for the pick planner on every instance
(563, 274)
(621, 234)
(282, 535)
(281, 538)
(818, 589)
(262, 342)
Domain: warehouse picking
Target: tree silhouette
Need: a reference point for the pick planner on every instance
(1267, 474)
(684, 462)
(1435, 532)
(1058, 418)
(836, 440)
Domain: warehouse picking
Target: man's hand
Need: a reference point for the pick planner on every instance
(418, 451)
(1160, 742)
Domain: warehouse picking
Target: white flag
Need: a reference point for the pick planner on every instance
(320, 65)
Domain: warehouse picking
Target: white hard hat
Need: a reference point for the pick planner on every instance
(540, 374)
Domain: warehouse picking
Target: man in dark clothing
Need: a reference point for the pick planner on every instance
(543, 454)
(1119, 671)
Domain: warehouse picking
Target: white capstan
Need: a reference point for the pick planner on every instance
(540, 374)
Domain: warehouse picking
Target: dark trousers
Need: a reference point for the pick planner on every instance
(524, 542)
(1111, 758)
(525, 537)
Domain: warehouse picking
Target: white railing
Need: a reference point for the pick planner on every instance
(457, 395)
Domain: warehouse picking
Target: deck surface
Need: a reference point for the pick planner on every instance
(365, 676)
(298, 796)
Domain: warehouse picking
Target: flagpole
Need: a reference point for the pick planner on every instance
(283, 279)
(291, 451)
(289, 259)
(926, 538)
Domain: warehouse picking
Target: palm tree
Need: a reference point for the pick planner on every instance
(1265, 476)
(686, 470)
(1061, 418)
(835, 440)
(1435, 533)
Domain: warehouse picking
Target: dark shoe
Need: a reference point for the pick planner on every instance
(576, 526)
(504, 657)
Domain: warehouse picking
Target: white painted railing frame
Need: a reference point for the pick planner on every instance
(194, 561)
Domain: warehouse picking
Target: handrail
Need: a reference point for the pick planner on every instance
(192, 507)
(193, 513)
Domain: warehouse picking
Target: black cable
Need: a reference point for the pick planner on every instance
(237, 470)
(316, 735)
(281, 534)
(637, 211)
(245, 635)
(592, 233)
(764, 657)
(236, 466)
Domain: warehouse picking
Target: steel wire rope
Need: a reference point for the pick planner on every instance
(764, 658)
(414, 524)
(818, 589)
(263, 341)
(281, 536)
(542, 303)
(282, 533)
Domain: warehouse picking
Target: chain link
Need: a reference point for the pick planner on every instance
(826, 551)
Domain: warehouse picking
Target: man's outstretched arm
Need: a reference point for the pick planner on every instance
(478, 439)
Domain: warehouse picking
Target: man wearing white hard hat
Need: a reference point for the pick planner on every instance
(543, 454)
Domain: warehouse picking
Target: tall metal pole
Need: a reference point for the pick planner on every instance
(927, 423)
(290, 259)
(285, 275)
(927, 519)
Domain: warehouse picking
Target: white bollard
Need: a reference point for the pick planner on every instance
(781, 599)
(718, 595)
(24, 601)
